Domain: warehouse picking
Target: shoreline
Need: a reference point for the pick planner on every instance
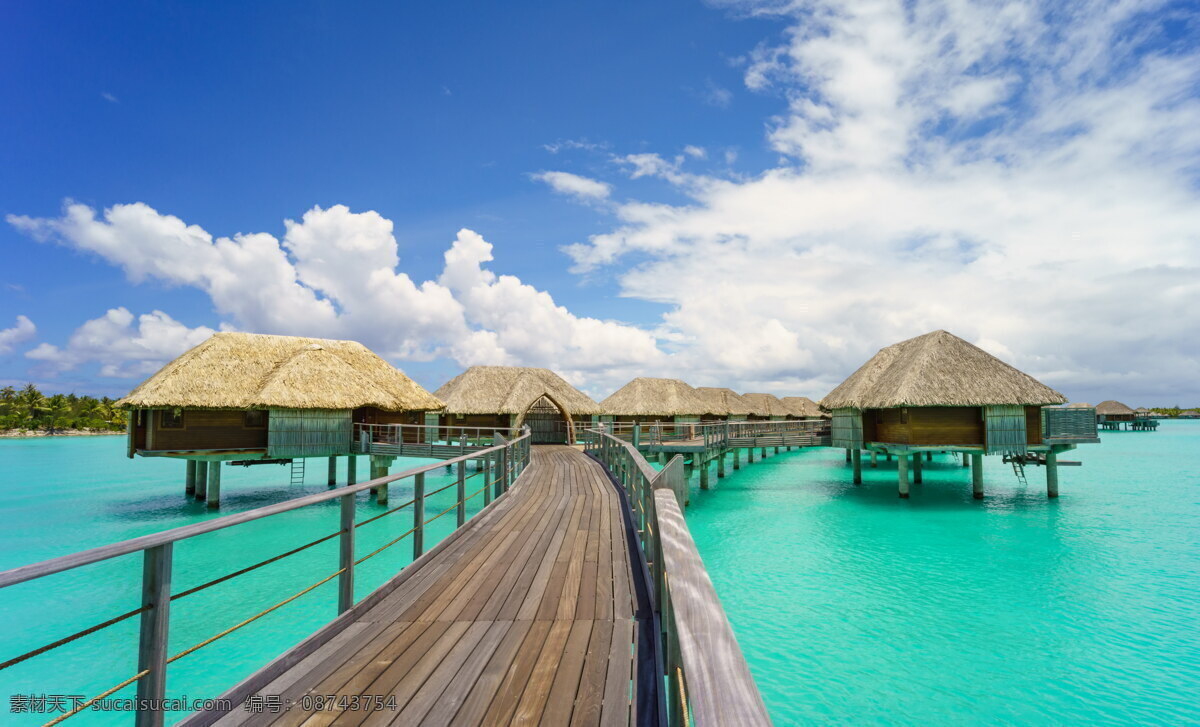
(18, 434)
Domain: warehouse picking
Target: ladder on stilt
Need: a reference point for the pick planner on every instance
(1018, 465)
(298, 471)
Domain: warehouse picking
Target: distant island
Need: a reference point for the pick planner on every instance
(29, 412)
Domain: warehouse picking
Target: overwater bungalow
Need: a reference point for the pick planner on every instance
(1190, 414)
(485, 397)
(655, 401)
(802, 407)
(1113, 411)
(936, 393)
(256, 398)
(723, 404)
(766, 407)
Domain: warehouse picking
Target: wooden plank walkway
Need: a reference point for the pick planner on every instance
(526, 618)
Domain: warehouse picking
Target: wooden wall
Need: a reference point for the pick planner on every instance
(204, 429)
(489, 421)
(1033, 425)
(924, 426)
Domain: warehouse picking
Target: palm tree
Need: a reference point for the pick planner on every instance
(29, 404)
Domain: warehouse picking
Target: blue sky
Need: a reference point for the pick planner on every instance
(738, 193)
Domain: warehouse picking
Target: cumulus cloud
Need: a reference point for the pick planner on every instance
(121, 344)
(1061, 231)
(334, 274)
(573, 185)
(21, 332)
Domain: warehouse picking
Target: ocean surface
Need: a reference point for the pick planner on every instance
(852, 605)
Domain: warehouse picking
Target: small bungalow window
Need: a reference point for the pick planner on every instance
(255, 419)
(170, 419)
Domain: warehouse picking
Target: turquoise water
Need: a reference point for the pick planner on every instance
(65, 494)
(856, 607)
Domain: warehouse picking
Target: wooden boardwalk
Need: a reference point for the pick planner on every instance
(526, 618)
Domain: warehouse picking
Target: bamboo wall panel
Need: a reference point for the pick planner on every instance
(1005, 429)
(309, 432)
(846, 428)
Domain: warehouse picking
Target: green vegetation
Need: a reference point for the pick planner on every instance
(1173, 411)
(29, 409)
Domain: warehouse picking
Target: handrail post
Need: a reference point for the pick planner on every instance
(488, 466)
(155, 626)
(462, 490)
(346, 552)
(418, 514)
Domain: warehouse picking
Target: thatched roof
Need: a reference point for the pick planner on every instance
(1190, 413)
(252, 371)
(937, 369)
(1142, 410)
(803, 407)
(766, 405)
(1077, 405)
(655, 397)
(511, 390)
(1111, 408)
(723, 402)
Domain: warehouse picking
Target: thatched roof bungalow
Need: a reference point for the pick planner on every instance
(648, 399)
(766, 406)
(251, 396)
(723, 403)
(802, 407)
(1189, 414)
(1114, 411)
(511, 396)
(938, 391)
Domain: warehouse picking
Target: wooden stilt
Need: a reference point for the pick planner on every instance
(902, 470)
(351, 470)
(720, 465)
(916, 468)
(381, 492)
(889, 457)
(857, 461)
(848, 456)
(966, 459)
(929, 456)
(704, 476)
(213, 495)
(737, 458)
(332, 471)
(763, 453)
(201, 479)
(977, 476)
(749, 455)
(1051, 473)
(777, 450)
(874, 459)
(189, 487)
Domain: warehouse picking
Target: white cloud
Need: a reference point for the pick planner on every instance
(21, 332)
(1063, 234)
(333, 275)
(574, 144)
(121, 348)
(109, 97)
(695, 152)
(573, 185)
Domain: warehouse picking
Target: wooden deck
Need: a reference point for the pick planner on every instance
(526, 618)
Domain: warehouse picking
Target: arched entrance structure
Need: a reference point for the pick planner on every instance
(548, 422)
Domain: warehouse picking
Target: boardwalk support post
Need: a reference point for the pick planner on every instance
(917, 477)
(351, 470)
(333, 471)
(703, 473)
(418, 514)
(902, 473)
(346, 555)
(721, 465)
(857, 461)
(977, 476)
(190, 480)
(874, 459)
(152, 642)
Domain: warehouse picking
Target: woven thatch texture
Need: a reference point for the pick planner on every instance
(766, 405)
(655, 397)
(252, 371)
(1112, 408)
(511, 390)
(803, 407)
(937, 369)
(1077, 405)
(723, 402)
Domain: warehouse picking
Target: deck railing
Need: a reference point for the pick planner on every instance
(396, 434)
(500, 464)
(1067, 425)
(708, 680)
(718, 434)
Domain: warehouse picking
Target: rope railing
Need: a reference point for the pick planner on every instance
(506, 458)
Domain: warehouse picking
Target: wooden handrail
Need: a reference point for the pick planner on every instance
(707, 673)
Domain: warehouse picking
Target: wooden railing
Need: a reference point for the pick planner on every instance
(500, 464)
(708, 681)
(1068, 425)
(723, 434)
